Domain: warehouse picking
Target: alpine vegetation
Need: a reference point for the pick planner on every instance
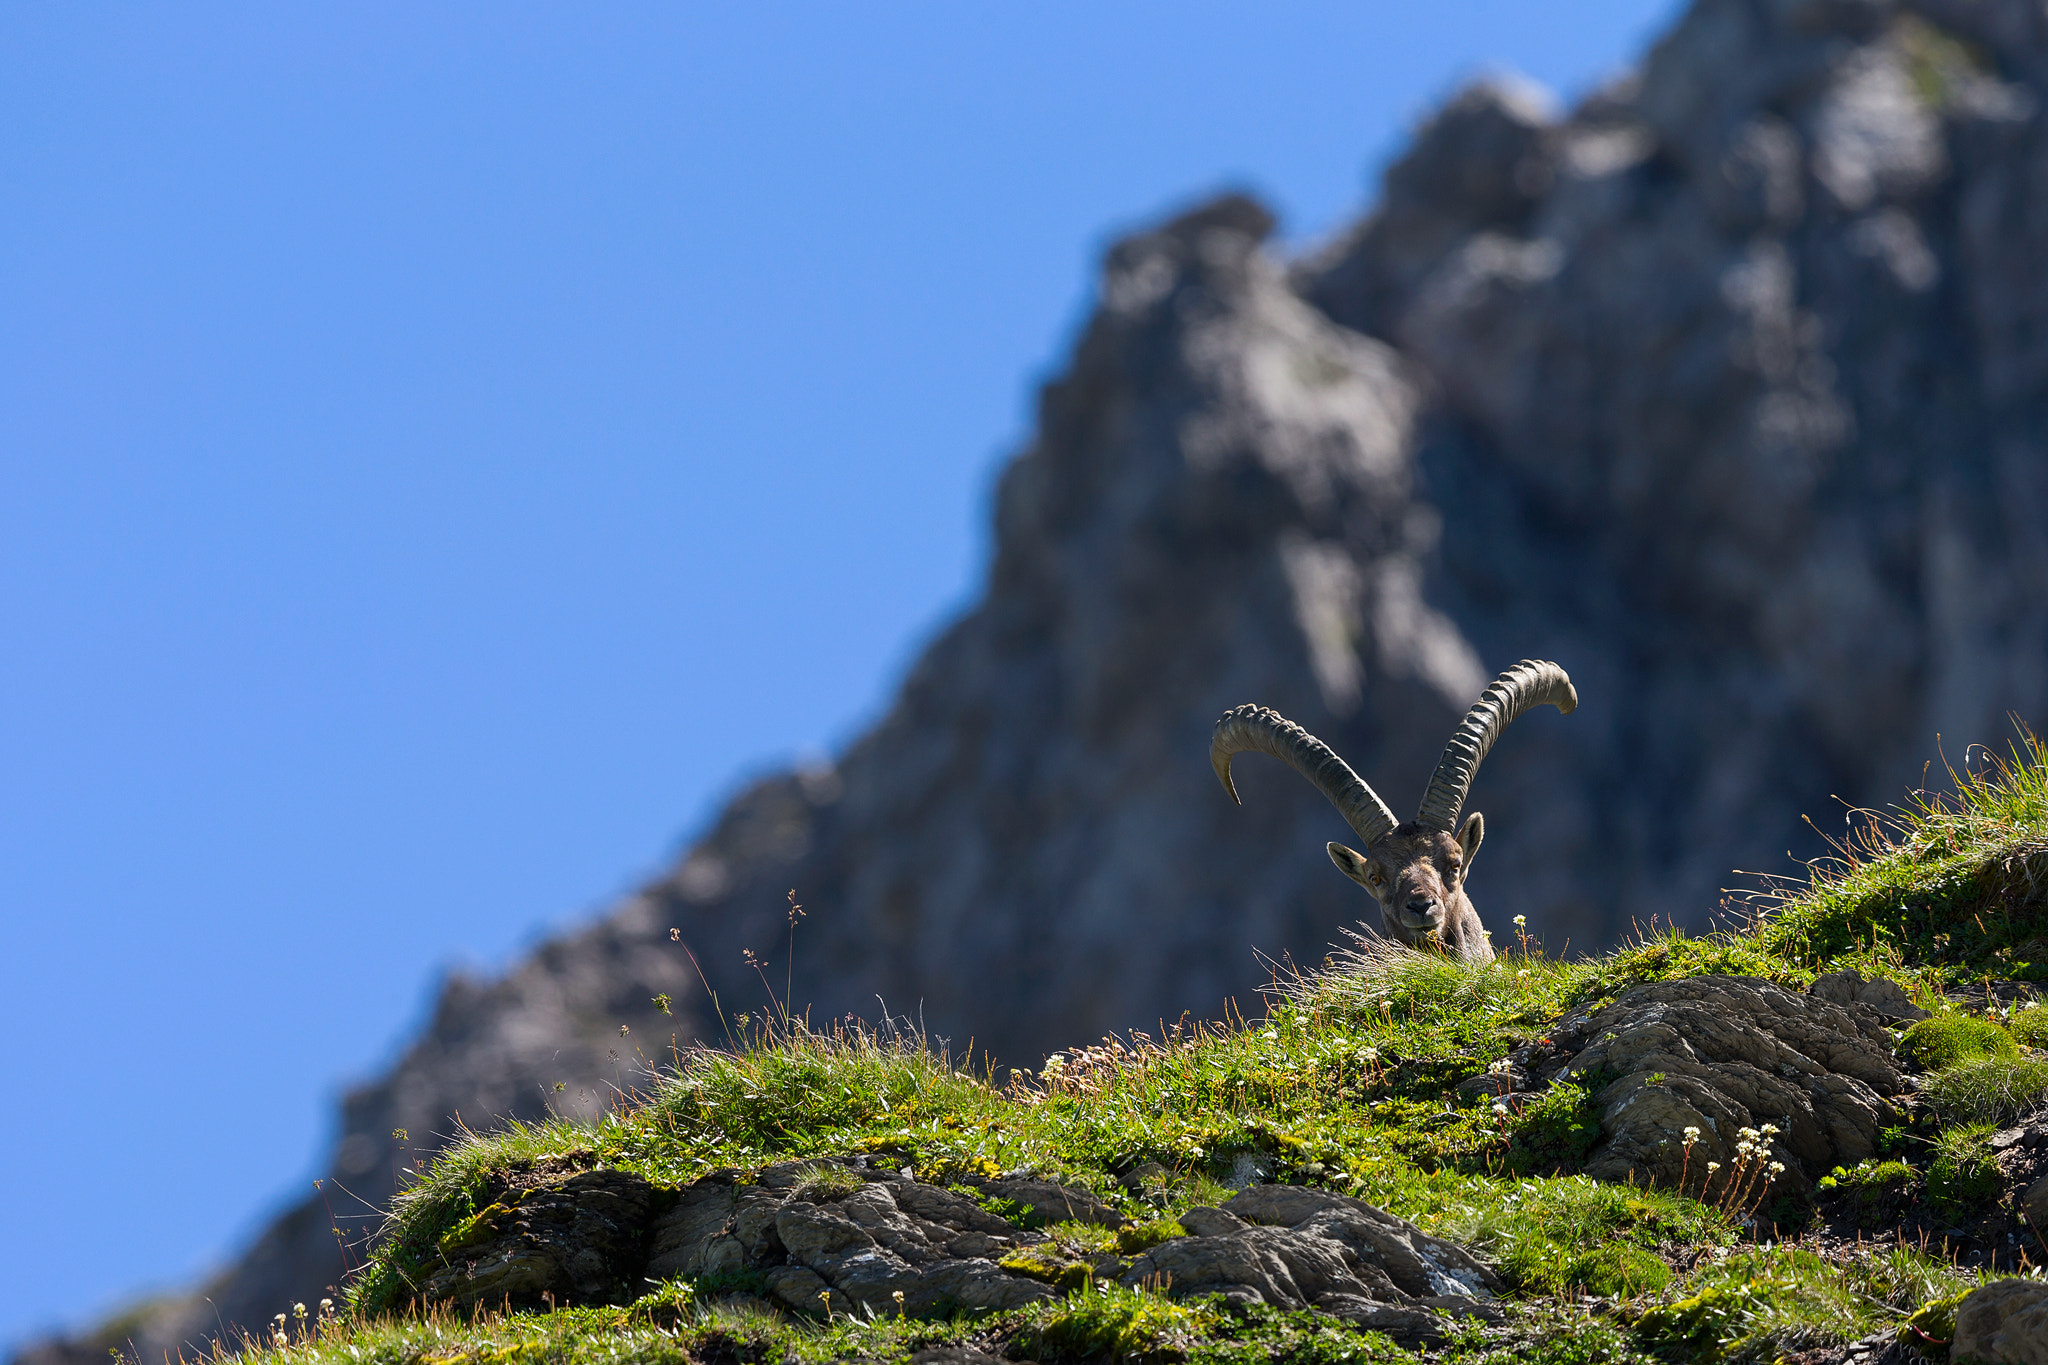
(1415, 871)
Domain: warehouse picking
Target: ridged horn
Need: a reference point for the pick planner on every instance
(1531, 682)
(1268, 732)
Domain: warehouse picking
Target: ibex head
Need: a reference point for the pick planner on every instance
(1416, 871)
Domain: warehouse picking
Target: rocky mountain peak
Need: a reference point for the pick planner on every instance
(1726, 389)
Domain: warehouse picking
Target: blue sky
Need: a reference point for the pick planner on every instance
(447, 447)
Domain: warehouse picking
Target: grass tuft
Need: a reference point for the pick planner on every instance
(1992, 1091)
(1952, 883)
(1963, 1176)
(1769, 1302)
(1947, 1039)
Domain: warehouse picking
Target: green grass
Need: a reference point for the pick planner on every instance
(1348, 1082)
(1762, 1303)
(1098, 1323)
(1952, 886)
(1991, 1091)
(1877, 1189)
(2029, 1026)
(1344, 1084)
(1963, 1175)
(1947, 1039)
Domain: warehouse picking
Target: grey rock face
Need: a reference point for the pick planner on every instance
(1887, 998)
(894, 1244)
(1294, 1247)
(2004, 1323)
(1720, 1054)
(1738, 417)
(1726, 389)
(581, 1238)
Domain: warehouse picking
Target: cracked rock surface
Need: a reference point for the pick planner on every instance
(1720, 1054)
(865, 1234)
(581, 1238)
(2004, 1323)
(1293, 1247)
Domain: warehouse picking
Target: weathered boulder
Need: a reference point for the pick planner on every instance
(1850, 987)
(1294, 1247)
(889, 1235)
(1724, 1054)
(579, 1238)
(848, 1234)
(2003, 1323)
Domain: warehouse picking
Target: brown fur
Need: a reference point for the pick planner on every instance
(1418, 877)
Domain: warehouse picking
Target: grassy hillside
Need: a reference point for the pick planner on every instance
(1349, 1082)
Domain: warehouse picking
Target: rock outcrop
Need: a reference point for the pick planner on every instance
(852, 1235)
(1726, 389)
(2004, 1323)
(1682, 1069)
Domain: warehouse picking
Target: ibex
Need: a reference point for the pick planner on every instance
(1416, 871)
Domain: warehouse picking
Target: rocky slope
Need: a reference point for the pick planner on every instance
(1725, 390)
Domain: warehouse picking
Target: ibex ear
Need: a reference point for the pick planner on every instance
(1469, 835)
(1360, 869)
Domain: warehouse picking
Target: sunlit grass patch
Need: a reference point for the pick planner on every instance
(1964, 1174)
(2029, 1025)
(1109, 1321)
(1876, 1189)
(1577, 1234)
(1762, 1303)
(1991, 1091)
(669, 1326)
(1954, 1037)
(1953, 882)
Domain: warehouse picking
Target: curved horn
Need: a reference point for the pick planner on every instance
(1269, 732)
(1531, 682)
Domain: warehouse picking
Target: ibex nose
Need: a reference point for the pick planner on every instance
(1419, 906)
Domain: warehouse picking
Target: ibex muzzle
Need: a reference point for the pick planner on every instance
(1415, 871)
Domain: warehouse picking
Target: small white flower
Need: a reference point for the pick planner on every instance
(1768, 1129)
(1269, 1035)
(1692, 1135)
(1521, 921)
(1777, 1168)
(1713, 1166)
